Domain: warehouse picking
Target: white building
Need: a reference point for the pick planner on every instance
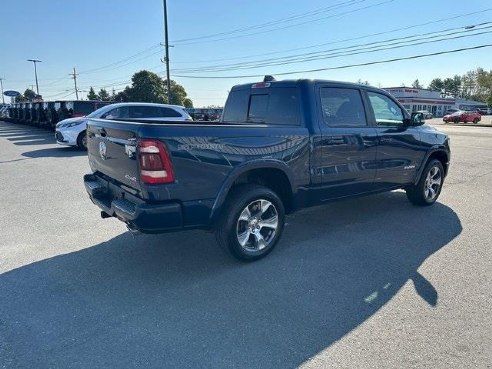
(415, 99)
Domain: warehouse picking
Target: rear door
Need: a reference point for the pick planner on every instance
(112, 150)
(348, 143)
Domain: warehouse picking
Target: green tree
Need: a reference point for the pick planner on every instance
(146, 87)
(20, 98)
(187, 103)
(103, 95)
(416, 84)
(149, 87)
(30, 95)
(92, 94)
(436, 84)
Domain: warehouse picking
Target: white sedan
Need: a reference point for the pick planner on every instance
(72, 131)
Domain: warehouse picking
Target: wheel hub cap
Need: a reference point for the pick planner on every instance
(257, 225)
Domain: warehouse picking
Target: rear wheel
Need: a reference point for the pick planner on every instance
(251, 222)
(82, 141)
(476, 120)
(429, 186)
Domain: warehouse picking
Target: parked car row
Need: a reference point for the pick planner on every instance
(72, 131)
(48, 113)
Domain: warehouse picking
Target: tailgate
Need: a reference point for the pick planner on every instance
(112, 150)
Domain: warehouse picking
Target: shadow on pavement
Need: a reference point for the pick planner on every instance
(175, 300)
(55, 152)
(26, 135)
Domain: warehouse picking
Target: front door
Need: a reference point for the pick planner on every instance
(400, 151)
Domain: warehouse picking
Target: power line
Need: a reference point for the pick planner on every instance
(344, 66)
(460, 16)
(120, 61)
(288, 26)
(272, 23)
(349, 50)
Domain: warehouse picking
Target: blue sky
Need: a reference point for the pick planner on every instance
(109, 40)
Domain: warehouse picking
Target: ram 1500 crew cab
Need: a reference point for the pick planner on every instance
(280, 146)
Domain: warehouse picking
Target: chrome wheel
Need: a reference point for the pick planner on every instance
(257, 225)
(432, 183)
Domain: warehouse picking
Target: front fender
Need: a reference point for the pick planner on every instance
(437, 148)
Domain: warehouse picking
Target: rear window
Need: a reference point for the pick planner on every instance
(278, 106)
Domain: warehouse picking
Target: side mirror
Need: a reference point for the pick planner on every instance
(417, 119)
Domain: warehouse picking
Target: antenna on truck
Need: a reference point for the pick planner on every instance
(269, 79)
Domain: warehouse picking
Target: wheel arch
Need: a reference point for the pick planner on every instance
(438, 153)
(274, 175)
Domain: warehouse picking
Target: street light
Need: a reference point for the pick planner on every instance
(35, 72)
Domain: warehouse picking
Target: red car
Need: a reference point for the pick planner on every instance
(462, 116)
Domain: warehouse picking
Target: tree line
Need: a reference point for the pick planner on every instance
(473, 85)
(146, 87)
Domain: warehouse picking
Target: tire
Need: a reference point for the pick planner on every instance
(82, 140)
(429, 186)
(239, 229)
(476, 120)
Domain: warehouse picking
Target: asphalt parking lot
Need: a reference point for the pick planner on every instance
(366, 283)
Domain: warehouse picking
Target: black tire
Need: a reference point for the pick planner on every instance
(429, 186)
(253, 203)
(476, 120)
(82, 140)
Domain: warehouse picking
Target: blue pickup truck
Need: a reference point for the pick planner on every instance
(280, 146)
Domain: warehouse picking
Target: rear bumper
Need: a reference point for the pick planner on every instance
(138, 215)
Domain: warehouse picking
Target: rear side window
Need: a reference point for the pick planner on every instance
(168, 113)
(236, 108)
(144, 112)
(279, 106)
(342, 107)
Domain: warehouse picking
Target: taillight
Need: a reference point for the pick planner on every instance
(155, 164)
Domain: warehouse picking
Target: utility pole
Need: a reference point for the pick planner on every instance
(74, 77)
(35, 72)
(166, 45)
(1, 84)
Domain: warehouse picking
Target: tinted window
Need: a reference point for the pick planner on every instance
(342, 107)
(236, 106)
(84, 107)
(169, 113)
(258, 108)
(275, 106)
(386, 111)
(117, 113)
(144, 112)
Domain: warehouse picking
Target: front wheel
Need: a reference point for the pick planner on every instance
(429, 187)
(82, 141)
(476, 120)
(251, 222)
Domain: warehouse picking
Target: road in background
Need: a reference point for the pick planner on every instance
(365, 283)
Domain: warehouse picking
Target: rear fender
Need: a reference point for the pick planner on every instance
(241, 169)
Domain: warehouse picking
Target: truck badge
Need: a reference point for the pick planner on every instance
(102, 150)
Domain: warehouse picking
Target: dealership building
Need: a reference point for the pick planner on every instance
(415, 99)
